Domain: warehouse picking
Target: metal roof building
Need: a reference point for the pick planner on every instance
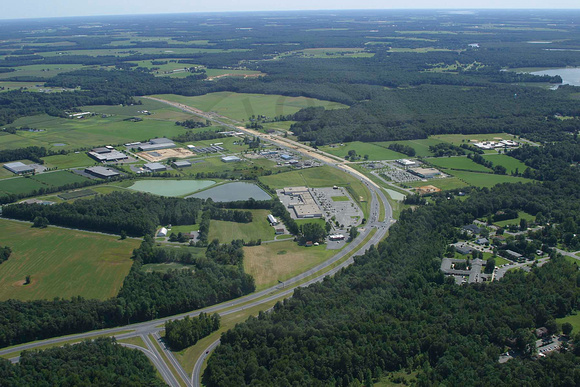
(108, 156)
(157, 143)
(230, 159)
(102, 172)
(155, 167)
(18, 167)
(181, 164)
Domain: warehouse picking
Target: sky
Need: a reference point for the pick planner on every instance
(59, 8)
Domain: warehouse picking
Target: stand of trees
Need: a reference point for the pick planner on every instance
(186, 332)
(394, 309)
(99, 362)
(5, 253)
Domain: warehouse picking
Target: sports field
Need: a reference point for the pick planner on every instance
(374, 151)
(273, 262)
(259, 228)
(62, 262)
(459, 162)
(241, 106)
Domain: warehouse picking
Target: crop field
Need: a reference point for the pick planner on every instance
(241, 106)
(459, 162)
(62, 262)
(374, 151)
(213, 73)
(259, 228)
(508, 162)
(421, 146)
(141, 50)
(278, 261)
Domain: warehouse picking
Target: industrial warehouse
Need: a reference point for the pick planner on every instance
(107, 154)
(302, 202)
(157, 144)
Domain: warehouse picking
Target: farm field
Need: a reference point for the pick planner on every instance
(259, 228)
(43, 70)
(421, 146)
(142, 50)
(59, 178)
(19, 185)
(331, 52)
(508, 162)
(458, 162)
(374, 151)
(62, 262)
(273, 262)
(241, 106)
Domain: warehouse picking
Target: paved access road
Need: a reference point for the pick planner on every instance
(151, 329)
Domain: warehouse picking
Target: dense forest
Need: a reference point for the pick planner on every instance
(184, 333)
(395, 310)
(100, 362)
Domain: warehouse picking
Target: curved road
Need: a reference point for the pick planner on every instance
(153, 327)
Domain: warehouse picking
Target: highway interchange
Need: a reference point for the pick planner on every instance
(146, 330)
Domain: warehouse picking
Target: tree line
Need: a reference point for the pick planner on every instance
(184, 333)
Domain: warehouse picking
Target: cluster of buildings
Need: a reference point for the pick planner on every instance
(486, 145)
(208, 149)
(405, 163)
(425, 173)
(306, 206)
(107, 154)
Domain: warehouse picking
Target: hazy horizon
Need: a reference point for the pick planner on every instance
(40, 9)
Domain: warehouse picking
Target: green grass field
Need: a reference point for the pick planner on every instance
(62, 262)
(374, 151)
(43, 70)
(59, 178)
(19, 185)
(443, 184)
(259, 228)
(69, 160)
(573, 319)
(508, 162)
(340, 198)
(421, 146)
(458, 163)
(521, 215)
(242, 106)
(272, 262)
(97, 131)
(486, 179)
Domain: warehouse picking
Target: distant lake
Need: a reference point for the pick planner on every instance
(171, 187)
(230, 192)
(569, 76)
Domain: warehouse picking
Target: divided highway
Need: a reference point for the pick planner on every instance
(151, 329)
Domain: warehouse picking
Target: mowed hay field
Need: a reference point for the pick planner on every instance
(259, 228)
(278, 261)
(375, 152)
(62, 263)
(241, 106)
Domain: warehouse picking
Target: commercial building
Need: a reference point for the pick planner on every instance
(295, 190)
(306, 207)
(273, 221)
(425, 173)
(406, 163)
(102, 172)
(231, 159)
(156, 144)
(181, 164)
(155, 167)
(336, 237)
(286, 157)
(18, 168)
(107, 154)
